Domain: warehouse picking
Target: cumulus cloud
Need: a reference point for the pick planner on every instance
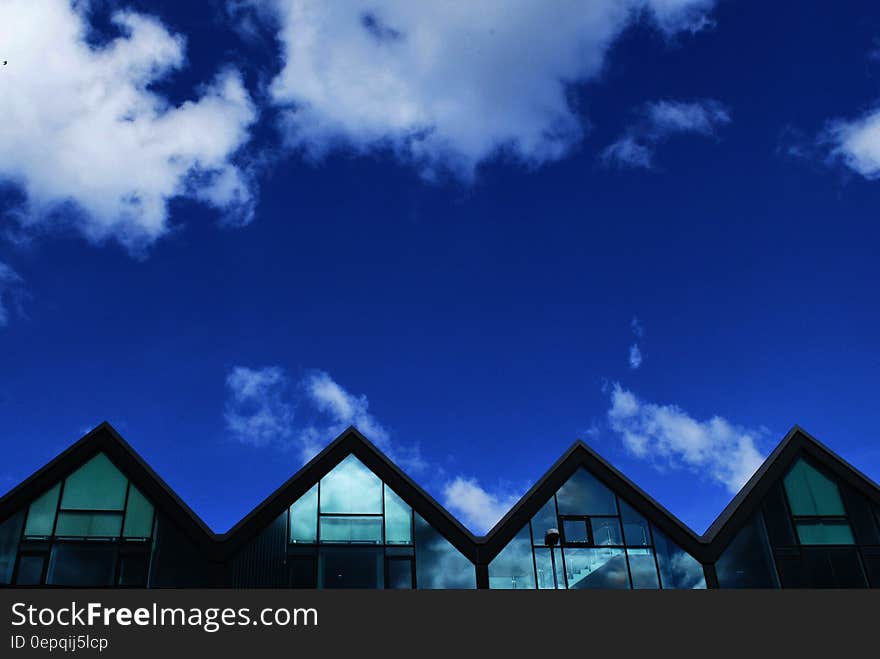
(657, 122)
(670, 438)
(260, 412)
(856, 143)
(257, 412)
(450, 85)
(88, 141)
(11, 292)
(476, 507)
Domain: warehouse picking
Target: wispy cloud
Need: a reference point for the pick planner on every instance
(11, 292)
(635, 356)
(443, 87)
(261, 407)
(635, 350)
(669, 437)
(856, 143)
(477, 508)
(657, 122)
(120, 150)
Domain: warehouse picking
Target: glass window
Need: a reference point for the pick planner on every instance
(606, 531)
(133, 570)
(861, 517)
(351, 529)
(595, 568)
(824, 532)
(811, 493)
(88, 525)
(574, 531)
(138, 515)
(512, 568)
(97, 485)
(304, 518)
(350, 568)
(72, 564)
(398, 520)
(635, 527)
(834, 567)
(399, 573)
(351, 488)
(776, 518)
(41, 513)
(544, 520)
(748, 562)
(438, 563)
(10, 532)
(30, 570)
(678, 569)
(582, 494)
(544, 562)
(643, 568)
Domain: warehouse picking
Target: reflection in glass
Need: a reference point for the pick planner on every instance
(399, 575)
(138, 515)
(544, 568)
(606, 531)
(678, 569)
(41, 513)
(81, 565)
(575, 531)
(438, 563)
(513, 569)
(595, 568)
(351, 488)
(88, 525)
(748, 561)
(350, 568)
(811, 492)
(635, 527)
(30, 570)
(582, 494)
(824, 532)
(398, 520)
(304, 518)
(10, 530)
(643, 568)
(543, 520)
(351, 530)
(97, 485)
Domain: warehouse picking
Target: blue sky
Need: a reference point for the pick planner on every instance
(476, 233)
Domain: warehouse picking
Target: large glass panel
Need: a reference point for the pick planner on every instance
(138, 515)
(30, 570)
(399, 575)
(304, 518)
(350, 568)
(834, 567)
(678, 569)
(595, 568)
(97, 485)
(438, 563)
(777, 519)
(351, 488)
(10, 532)
(582, 494)
(861, 517)
(635, 527)
(811, 492)
(544, 563)
(88, 525)
(398, 520)
(544, 520)
(824, 532)
(574, 531)
(606, 531)
(81, 565)
(363, 530)
(748, 561)
(512, 568)
(643, 568)
(41, 513)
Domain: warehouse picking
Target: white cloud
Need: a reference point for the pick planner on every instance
(856, 143)
(638, 329)
(477, 508)
(635, 356)
(449, 85)
(670, 438)
(256, 410)
(90, 144)
(657, 122)
(11, 292)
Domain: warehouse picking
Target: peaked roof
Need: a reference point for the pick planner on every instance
(104, 438)
(350, 442)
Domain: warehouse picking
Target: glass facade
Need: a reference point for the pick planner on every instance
(94, 528)
(351, 530)
(604, 543)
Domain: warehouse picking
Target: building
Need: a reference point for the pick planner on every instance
(97, 515)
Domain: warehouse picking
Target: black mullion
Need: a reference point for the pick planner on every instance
(125, 509)
(623, 538)
(654, 552)
(561, 553)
